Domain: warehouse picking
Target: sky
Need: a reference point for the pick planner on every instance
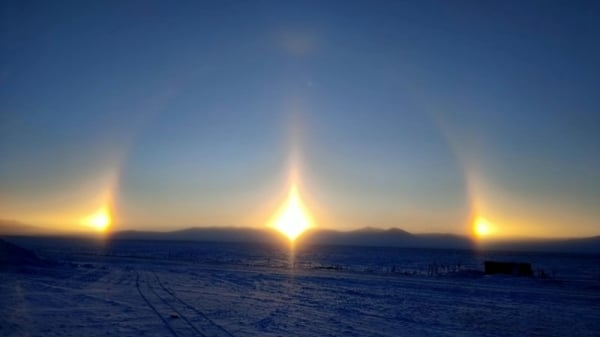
(424, 115)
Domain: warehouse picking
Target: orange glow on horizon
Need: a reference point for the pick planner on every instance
(293, 219)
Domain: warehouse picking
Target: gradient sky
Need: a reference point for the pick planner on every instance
(422, 115)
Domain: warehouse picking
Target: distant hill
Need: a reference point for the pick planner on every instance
(362, 237)
(392, 237)
(12, 255)
(12, 227)
(589, 245)
(215, 234)
(368, 236)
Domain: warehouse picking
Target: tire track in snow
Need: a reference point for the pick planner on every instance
(165, 322)
(181, 315)
(212, 323)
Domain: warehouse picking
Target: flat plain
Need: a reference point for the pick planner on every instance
(134, 288)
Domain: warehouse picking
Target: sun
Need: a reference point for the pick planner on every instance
(293, 219)
(100, 221)
(482, 227)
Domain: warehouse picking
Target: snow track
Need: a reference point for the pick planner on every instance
(179, 317)
(95, 295)
(208, 324)
(151, 306)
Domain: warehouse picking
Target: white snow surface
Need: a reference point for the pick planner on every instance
(196, 289)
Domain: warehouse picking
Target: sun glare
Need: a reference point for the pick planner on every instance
(293, 219)
(483, 227)
(99, 221)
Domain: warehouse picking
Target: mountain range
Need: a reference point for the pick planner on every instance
(368, 236)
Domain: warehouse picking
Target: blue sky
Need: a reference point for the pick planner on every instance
(421, 114)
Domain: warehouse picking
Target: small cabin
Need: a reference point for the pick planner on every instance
(508, 268)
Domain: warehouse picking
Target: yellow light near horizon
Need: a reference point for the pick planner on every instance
(483, 227)
(100, 220)
(293, 219)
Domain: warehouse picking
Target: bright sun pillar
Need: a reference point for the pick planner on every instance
(100, 220)
(293, 219)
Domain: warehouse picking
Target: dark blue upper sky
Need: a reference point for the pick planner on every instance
(414, 114)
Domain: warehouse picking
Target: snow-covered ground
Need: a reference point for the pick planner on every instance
(196, 289)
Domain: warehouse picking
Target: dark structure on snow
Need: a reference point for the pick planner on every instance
(508, 268)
